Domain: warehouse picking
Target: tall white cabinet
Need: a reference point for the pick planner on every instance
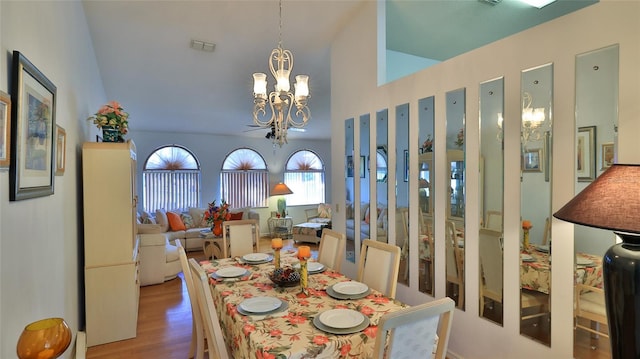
(112, 287)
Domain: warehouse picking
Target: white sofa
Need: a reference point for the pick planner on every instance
(159, 261)
(367, 219)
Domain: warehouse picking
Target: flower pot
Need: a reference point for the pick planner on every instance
(111, 134)
(217, 228)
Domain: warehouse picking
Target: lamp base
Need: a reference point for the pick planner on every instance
(621, 274)
(282, 206)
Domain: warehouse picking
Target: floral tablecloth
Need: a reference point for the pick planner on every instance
(536, 275)
(291, 334)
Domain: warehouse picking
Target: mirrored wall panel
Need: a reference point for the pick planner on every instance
(402, 190)
(535, 260)
(365, 194)
(596, 115)
(382, 157)
(349, 189)
(426, 175)
(491, 189)
(454, 221)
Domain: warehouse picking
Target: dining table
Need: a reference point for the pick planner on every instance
(295, 329)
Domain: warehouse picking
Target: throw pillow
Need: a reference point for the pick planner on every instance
(161, 218)
(367, 216)
(243, 210)
(149, 228)
(175, 223)
(187, 220)
(324, 210)
(236, 216)
(198, 217)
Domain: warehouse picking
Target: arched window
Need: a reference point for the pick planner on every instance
(171, 179)
(244, 179)
(304, 175)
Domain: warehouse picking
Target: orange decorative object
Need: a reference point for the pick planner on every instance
(526, 224)
(217, 228)
(276, 243)
(44, 339)
(304, 252)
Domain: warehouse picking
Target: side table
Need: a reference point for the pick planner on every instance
(211, 245)
(280, 227)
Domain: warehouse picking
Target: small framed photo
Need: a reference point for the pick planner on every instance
(532, 160)
(5, 129)
(61, 147)
(607, 155)
(586, 154)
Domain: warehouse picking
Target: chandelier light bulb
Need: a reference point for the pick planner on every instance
(260, 85)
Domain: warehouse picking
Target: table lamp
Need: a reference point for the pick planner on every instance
(44, 339)
(281, 190)
(612, 202)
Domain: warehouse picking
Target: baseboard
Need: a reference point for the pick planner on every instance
(81, 345)
(452, 355)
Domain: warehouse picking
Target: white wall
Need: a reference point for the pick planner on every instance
(39, 238)
(354, 67)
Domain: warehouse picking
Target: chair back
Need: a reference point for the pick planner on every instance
(453, 253)
(379, 265)
(494, 220)
(215, 338)
(332, 247)
(546, 237)
(240, 237)
(414, 331)
(491, 264)
(198, 334)
(590, 305)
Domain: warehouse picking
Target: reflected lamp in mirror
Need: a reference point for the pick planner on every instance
(44, 339)
(612, 202)
(281, 190)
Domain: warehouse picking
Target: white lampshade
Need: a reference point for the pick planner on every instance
(260, 85)
(282, 76)
(302, 86)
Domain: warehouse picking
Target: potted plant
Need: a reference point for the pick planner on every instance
(113, 121)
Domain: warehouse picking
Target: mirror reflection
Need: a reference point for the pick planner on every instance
(426, 175)
(535, 260)
(364, 176)
(349, 189)
(454, 222)
(382, 156)
(596, 114)
(491, 190)
(402, 190)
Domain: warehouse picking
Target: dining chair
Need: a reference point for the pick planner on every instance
(332, 247)
(197, 347)
(426, 235)
(533, 298)
(421, 331)
(491, 266)
(589, 305)
(404, 248)
(494, 220)
(454, 259)
(546, 236)
(379, 265)
(240, 237)
(215, 339)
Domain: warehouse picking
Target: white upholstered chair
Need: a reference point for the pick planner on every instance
(455, 264)
(494, 220)
(240, 237)
(379, 265)
(491, 260)
(421, 331)
(196, 350)
(332, 247)
(590, 305)
(215, 339)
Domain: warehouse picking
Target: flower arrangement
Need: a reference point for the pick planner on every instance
(460, 138)
(112, 115)
(427, 145)
(217, 213)
(526, 225)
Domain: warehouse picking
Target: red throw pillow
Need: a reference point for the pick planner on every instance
(175, 222)
(236, 216)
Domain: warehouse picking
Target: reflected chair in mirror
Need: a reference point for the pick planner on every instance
(415, 331)
(491, 260)
(494, 220)
(332, 247)
(240, 237)
(546, 236)
(590, 307)
(533, 299)
(197, 347)
(211, 323)
(404, 245)
(426, 242)
(454, 265)
(379, 265)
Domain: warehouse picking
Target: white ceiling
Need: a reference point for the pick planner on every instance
(143, 52)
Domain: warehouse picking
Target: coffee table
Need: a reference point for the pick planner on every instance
(308, 232)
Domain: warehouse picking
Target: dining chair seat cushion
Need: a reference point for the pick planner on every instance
(593, 303)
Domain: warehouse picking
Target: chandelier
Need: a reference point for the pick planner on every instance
(532, 120)
(281, 101)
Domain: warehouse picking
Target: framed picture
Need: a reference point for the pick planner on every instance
(33, 124)
(363, 159)
(532, 160)
(5, 129)
(607, 155)
(349, 166)
(61, 147)
(586, 154)
(406, 165)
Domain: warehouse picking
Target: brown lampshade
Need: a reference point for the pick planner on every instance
(610, 202)
(280, 189)
(44, 339)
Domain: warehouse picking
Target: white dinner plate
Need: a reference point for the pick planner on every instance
(583, 261)
(341, 318)
(312, 267)
(260, 304)
(350, 288)
(527, 258)
(255, 257)
(230, 272)
(542, 248)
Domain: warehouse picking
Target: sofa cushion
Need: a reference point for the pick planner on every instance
(198, 216)
(147, 228)
(171, 252)
(187, 220)
(324, 210)
(192, 233)
(236, 216)
(243, 210)
(161, 219)
(147, 218)
(175, 223)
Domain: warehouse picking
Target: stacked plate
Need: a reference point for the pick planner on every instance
(312, 267)
(261, 306)
(341, 321)
(542, 248)
(584, 262)
(348, 290)
(527, 258)
(256, 258)
(229, 273)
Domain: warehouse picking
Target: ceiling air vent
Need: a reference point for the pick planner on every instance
(490, 2)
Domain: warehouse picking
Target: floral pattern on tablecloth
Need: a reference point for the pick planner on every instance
(291, 334)
(590, 275)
